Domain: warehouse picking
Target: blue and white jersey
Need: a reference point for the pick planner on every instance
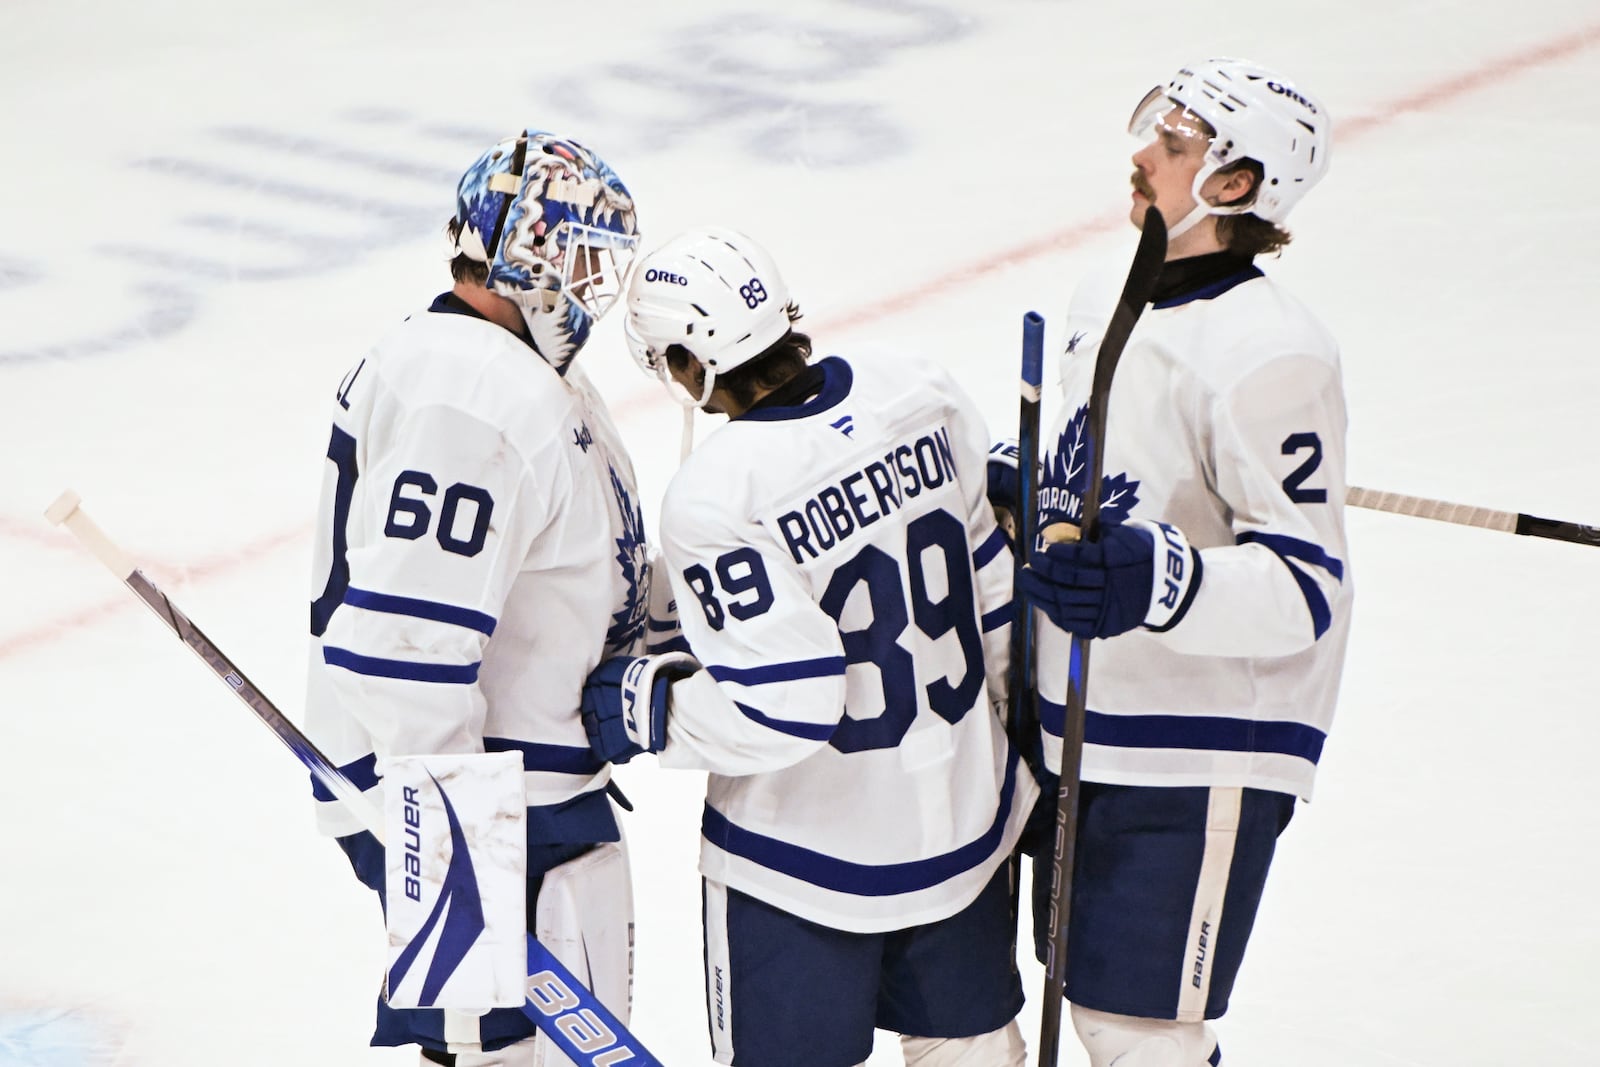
(480, 550)
(1226, 420)
(839, 574)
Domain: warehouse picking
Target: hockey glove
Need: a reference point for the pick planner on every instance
(1002, 488)
(625, 703)
(1138, 574)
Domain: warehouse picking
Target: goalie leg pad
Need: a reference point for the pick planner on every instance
(998, 1048)
(585, 918)
(1127, 1041)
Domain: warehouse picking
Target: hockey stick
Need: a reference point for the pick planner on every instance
(1022, 714)
(1512, 522)
(1136, 292)
(1022, 704)
(568, 1013)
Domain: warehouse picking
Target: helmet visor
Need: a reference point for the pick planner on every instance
(1160, 116)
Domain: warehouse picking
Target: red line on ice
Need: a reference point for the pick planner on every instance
(1430, 97)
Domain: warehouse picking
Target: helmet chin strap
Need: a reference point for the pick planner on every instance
(1189, 221)
(686, 439)
(690, 404)
(1202, 207)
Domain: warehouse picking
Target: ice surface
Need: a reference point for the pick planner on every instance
(211, 209)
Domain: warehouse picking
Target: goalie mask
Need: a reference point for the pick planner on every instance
(1242, 111)
(713, 291)
(556, 228)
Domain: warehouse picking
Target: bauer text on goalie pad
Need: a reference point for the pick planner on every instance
(456, 869)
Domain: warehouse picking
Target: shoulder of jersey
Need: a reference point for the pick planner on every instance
(474, 366)
(725, 466)
(1255, 323)
(1096, 294)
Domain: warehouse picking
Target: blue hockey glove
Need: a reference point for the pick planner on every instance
(1138, 574)
(625, 703)
(1002, 487)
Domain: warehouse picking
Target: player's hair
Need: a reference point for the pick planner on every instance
(773, 367)
(463, 268)
(1249, 234)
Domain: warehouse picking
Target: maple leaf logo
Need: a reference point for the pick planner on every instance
(1066, 477)
(627, 622)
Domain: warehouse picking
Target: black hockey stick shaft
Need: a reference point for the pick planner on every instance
(1512, 522)
(1022, 717)
(557, 1003)
(1136, 293)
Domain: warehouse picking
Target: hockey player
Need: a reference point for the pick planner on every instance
(843, 585)
(481, 549)
(1219, 583)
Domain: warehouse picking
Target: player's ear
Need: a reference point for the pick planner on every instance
(1233, 186)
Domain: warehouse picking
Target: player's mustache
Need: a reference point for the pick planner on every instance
(1141, 186)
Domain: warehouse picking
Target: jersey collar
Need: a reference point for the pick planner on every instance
(448, 303)
(1202, 278)
(815, 389)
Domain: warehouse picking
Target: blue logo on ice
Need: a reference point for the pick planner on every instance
(54, 1037)
(461, 909)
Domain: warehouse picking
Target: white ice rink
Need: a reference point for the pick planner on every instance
(210, 210)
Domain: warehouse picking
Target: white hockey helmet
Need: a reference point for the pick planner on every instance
(557, 231)
(713, 291)
(1256, 114)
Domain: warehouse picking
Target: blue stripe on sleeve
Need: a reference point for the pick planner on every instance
(822, 667)
(861, 879)
(405, 670)
(566, 759)
(420, 609)
(989, 549)
(1290, 549)
(810, 731)
(997, 618)
(1294, 548)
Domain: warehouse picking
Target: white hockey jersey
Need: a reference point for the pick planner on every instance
(839, 574)
(1226, 420)
(480, 550)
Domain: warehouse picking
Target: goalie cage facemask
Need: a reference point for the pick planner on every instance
(557, 230)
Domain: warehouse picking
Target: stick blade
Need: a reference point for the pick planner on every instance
(1147, 260)
(1137, 290)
